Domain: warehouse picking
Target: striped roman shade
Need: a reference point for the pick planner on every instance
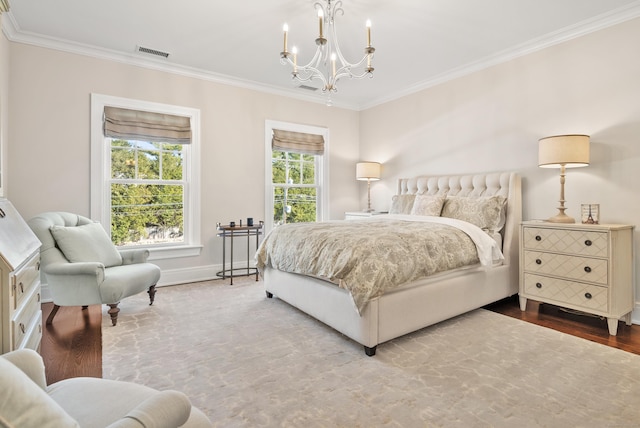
(297, 142)
(139, 125)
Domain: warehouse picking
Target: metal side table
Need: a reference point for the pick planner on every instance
(231, 232)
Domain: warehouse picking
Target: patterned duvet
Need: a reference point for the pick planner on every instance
(368, 257)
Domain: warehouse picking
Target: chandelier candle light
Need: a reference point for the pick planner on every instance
(328, 64)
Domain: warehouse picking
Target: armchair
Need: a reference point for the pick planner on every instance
(27, 401)
(82, 266)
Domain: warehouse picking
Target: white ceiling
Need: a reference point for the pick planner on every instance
(418, 42)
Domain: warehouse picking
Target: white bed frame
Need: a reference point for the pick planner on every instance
(421, 303)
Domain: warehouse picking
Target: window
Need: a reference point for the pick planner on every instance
(145, 192)
(295, 175)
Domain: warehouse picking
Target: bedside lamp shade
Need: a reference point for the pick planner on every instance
(369, 171)
(563, 151)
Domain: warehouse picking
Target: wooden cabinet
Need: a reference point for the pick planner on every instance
(588, 268)
(20, 297)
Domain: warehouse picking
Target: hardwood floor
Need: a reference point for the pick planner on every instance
(72, 345)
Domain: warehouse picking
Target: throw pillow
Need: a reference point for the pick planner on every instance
(427, 205)
(24, 404)
(487, 213)
(401, 204)
(86, 243)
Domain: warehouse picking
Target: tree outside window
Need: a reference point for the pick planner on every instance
(295, 188)
(147, 193)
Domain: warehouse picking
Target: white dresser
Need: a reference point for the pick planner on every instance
(588, 268)
(20, 299)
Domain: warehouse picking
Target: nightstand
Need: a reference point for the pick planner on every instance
(587, 268)
(354, 215)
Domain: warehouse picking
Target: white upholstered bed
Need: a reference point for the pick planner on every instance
(425, 301)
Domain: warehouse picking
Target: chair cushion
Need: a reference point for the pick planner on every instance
(24, 404)
(86, 243)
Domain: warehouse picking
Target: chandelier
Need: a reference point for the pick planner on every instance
(328, 64)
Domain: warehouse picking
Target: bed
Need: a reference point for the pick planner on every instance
(398, 309)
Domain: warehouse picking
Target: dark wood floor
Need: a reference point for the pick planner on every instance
(72, 345)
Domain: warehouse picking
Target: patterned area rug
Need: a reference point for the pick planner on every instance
(249, 361)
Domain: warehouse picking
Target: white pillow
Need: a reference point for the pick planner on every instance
(427, 205)
(401, 204)
(86, 243)
(24, 404)
(487, 213)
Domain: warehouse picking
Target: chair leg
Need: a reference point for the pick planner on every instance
(152, 294)
(53, 313)
(114, 312)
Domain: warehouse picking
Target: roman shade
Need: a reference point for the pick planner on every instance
(140, 125)
(297, 142)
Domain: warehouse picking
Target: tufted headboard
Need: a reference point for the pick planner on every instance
(505, 184)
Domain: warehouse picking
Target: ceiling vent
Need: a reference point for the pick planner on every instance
(152, 52)
(308, 88)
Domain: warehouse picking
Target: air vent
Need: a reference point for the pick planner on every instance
(308, 88)
(152, 52)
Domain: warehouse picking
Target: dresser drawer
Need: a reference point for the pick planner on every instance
(26, 318)
(26, 279)
(570, 267)
(587, 296)
(579, 242)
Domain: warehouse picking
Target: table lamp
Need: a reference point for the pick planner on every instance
(563, 151)
(369, 171)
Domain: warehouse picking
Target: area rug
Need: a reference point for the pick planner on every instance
(249, 361)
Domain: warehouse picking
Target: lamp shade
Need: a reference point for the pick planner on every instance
(368, 171)
(569, 150)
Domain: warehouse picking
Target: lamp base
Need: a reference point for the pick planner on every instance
(561, 218)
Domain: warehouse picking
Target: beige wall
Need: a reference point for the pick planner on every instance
(50, 149)
(492, 120)
(4, 103)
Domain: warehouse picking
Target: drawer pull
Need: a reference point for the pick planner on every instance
(588, 242)
(538, 261)
(587, 269)
(22, 328)
(538, 238)
(21, 287)
(588, 295)
(538, 285)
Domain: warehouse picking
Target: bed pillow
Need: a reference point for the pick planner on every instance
(427, 205)
(86, 243)
(401, 204)
(487, 213)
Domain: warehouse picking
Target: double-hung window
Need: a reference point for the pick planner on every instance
(296, 173)
(145, 174)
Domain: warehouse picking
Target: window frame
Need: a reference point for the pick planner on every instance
(101, 180)
(322, 170)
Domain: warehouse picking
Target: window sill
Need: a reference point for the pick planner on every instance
(160, 253)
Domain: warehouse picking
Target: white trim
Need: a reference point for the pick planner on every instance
(100, 164)
(322, 173)
(13, 32)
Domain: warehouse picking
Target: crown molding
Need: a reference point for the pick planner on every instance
(15, 34)
(600, 22)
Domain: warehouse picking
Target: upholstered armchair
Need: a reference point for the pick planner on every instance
(82, 266)
(27, 401)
